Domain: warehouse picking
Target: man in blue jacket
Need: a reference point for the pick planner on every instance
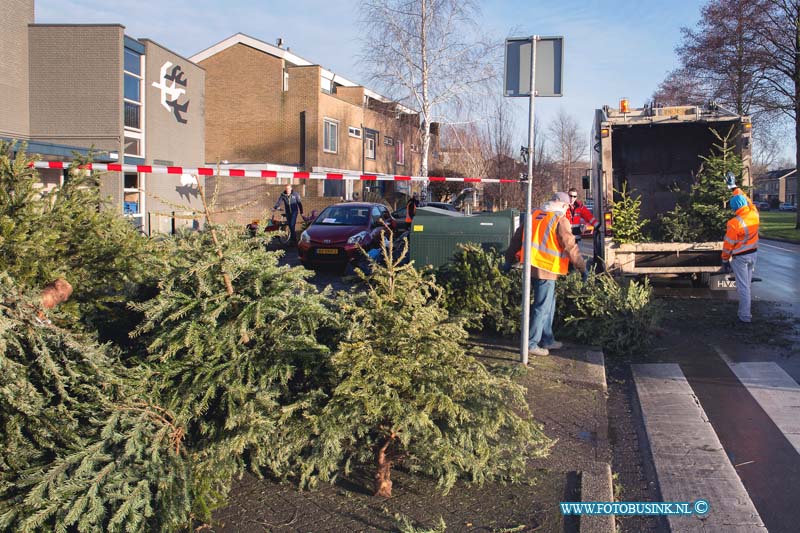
(291, 206)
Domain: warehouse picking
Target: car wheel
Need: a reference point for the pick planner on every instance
(284, 234)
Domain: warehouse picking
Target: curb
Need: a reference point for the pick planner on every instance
(598, 485)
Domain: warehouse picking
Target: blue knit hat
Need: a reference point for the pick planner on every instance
(737, 202)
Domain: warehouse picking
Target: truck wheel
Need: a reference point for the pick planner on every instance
(701, 281)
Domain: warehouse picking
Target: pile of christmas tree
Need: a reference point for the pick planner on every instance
(701, 212)
(236, 363)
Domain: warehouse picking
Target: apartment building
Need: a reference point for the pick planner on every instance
(265, 104)
(76, 87)
(777, 187)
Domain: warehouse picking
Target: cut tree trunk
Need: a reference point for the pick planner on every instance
(383, 481)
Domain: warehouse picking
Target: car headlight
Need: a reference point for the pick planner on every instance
(358, 238)
(305, 237)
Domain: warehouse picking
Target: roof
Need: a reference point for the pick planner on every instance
(777, 174)
(286, 55)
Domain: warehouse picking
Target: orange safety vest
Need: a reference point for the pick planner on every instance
(546, 250)
(742, 233)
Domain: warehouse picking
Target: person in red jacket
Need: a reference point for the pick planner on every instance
(579, 212)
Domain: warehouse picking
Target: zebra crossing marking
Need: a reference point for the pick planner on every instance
(689, 459)
(776, 392)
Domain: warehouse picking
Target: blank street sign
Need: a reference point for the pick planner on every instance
(549, 66)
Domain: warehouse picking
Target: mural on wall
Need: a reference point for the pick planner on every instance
(172, 77)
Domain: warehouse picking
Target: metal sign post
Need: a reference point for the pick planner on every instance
(521, 56)
(526, 232)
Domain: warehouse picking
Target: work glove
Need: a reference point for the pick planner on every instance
(726, 267)
(730, 180)
(506, 268)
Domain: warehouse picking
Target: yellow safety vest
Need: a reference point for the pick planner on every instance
(546, 251)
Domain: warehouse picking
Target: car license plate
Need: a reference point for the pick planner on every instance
(328, 251)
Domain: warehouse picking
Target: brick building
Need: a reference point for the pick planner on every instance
(71, 87)
(776, 187)
(266, 105)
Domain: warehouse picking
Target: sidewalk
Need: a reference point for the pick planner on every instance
(567, 394)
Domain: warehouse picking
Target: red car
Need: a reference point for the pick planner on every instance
(340, 231)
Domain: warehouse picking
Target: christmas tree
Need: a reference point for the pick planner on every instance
(82, 447)
(68, 232)
(408, 394)
(231, 337)
(702, 213)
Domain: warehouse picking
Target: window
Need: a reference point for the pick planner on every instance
(133, 63)
(370, 139)
(285, 79)
(133, 116)
(132, 145)
(354, 132)
(133, 88)
(132, 105)
(388, 141)
(330, 130)
(133, 198)
(333, 188)
(326, 85)
(400, 153)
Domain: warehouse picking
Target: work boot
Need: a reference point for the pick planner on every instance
(535, 350)
(555, 345)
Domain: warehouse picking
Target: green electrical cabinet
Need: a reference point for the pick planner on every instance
(435, 234)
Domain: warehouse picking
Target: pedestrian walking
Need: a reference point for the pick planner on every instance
(740, 250)
(292, 206)
(553, 248)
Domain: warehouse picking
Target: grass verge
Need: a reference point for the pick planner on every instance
(779, 225)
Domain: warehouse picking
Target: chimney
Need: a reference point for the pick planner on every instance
(279, 42)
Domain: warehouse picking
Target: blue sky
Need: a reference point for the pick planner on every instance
(612, 48)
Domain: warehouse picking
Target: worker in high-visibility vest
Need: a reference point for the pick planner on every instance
(739, 250)
(553, 248)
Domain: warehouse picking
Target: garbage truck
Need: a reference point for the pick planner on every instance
(656, 151)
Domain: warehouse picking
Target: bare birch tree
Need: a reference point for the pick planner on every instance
(426, 54)
(569, 145)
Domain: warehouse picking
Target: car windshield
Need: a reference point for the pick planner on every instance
(343, 215)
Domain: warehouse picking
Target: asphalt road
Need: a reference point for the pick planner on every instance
(778, 265)
(745, 378)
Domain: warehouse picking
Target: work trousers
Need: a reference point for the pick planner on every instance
(542, 313)
(743, 267)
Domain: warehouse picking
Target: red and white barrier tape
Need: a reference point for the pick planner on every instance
(239, 173)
